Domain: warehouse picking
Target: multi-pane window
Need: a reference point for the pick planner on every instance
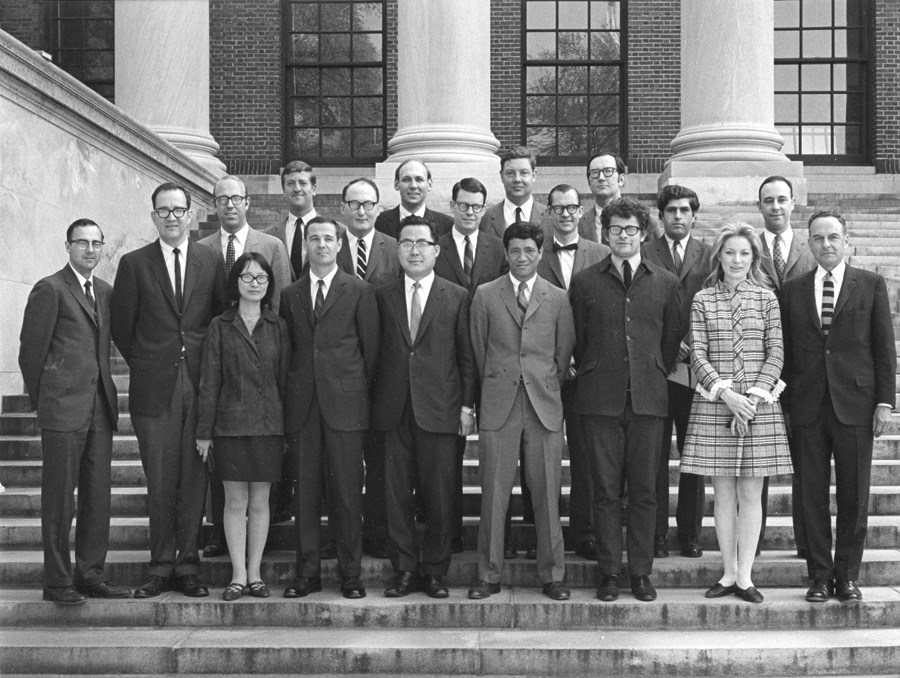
(821, 67)
(335, 75)
(573, 70)
(81, 42)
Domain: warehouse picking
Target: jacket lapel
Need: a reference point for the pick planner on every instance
(556, 266)
(691, 255)
(508, 295)
(538, 292)
(809, 301)
(158, 266)
(303, 297)
(398, 299)
(345, 258)
(191, 273)
(375, 256)
(434, 300)
(848, 287)
(768, 264)
(335, 290)
(77, 291)
(449, 251)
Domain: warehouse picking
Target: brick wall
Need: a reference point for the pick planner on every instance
(23, 19)
(245, 88)
(506, 71)
(887, 86)
(390, 57)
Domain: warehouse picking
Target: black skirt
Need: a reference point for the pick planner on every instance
(252, 459)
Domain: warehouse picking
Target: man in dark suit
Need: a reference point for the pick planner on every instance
(841, 365)
(606, 175)
(628, 335)
(688, 259)
(412, 179)
(522, 336)
(298, 182)
(424, 399)
(333, 321)
(64, 358)
(165, 296)
(564, 257)
(518, 169)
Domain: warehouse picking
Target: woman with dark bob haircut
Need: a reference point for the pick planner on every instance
(245, 360)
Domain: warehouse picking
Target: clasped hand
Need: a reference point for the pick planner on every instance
(743, 409)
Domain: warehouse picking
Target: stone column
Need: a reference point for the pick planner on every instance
(162, 72)
(728, 138)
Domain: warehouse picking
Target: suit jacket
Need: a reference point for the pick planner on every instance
(388, 222)
(64, 351)
(799, 260)
(625, 339)
(271, 248)
(490, 261)
(335, 357)
(587, 254)
(147, 329)
(382, 266)
(280, 231)
(507, 348)
(586, 227)
(436, 371)
(856, 362)
(494, 222)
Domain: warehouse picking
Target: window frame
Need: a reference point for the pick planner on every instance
(53, 20)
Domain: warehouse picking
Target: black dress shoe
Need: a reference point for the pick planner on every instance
(191, 586)
(642, 588)
(719, 591)
(376, 548)
(352, 587)
(63, 595)
(587, 550)
(483, 589)
(609, 588)
(690, 548)
(280, 517)
(847, 591)
(556, 590)
(456, 545)
(104, 589)
(401, 585)
(303, 586)
(327, 551)
(216, 546)
(154, 587)
(531, 554)
(435, 587)
(660, 546)
(820, 591)
(749, 594)
(509, 552)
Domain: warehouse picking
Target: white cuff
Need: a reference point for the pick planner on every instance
(717, 388)
(768, 396)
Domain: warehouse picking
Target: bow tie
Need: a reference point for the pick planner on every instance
(571, 247)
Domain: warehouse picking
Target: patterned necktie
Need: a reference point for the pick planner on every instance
(415, 312)
(522, 298)
(297, 246)
(626, 273)
(737, 334)
(91, 300)
(468, 259)
(778, 257)
(519, 215)
(361, 259)
(229, 254)
(827, 302)
(676, 256)
(320, 299)
(179, 301)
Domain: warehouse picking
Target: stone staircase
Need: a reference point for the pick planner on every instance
(518, 632)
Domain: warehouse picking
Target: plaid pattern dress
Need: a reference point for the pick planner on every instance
(736, 343)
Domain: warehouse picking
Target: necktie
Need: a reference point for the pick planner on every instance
(178, 298)
(522, 298)
(468, 258)
(626, 273)
(778, 257)
(571, 247)
(361, 259)
(415, 312)
(676, 256)
(519, 215)
(91, 301)
(737, 330)
(229, 254)
(297, 244)
(827, 302)
(320, 299)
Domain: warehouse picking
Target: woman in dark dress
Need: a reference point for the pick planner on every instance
(241, 424)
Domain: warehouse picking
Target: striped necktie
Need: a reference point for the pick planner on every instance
(361, 259)
(827, 302)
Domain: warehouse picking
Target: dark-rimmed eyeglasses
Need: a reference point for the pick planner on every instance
(83, 244)
(410, 245)
(260, 279)
(629, 230)
(164, 212)
(466, 206)
(605, 171)
(559, 209)
(356, 204)
(235, 200)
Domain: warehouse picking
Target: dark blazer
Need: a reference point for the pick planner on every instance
(382, 265)
(388, 222)
(587, 254)
(242, 377)
(146, 326)
(490, 261)
(494, 222)
(586, 225)
(436, 371)
(624, 339)
(799, 260)
(336, 356)
(857, 361)
(279, 230)
(64, 351)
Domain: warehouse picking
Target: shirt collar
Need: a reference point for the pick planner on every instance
(327, 278)
(634, 260)
(683, 242)
(575, 240)
(787, 236)
(240, 235)
(509, 209)
(406, 213)
(81, 279)
(837, 273)
(425, 283)
(459, 236)
(292, 220)
(352, 239)
(529, 284)
(167, 249)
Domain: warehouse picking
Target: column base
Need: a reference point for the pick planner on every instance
(732, 182)
(452, 143)
(199, 147)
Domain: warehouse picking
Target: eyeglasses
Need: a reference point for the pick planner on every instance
(233, 199)
(629, 230)
(605, 171)
(559, 209)
(164, 212)
(260, 279)
(465, 207)
(356, 204)
(410, 245)
(84, 244)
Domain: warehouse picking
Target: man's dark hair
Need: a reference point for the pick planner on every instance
(824, 214)
(169, 186)
(470, 184)
(771, 180)
(515, 153)
(413, 220)
(562, 188)
(338, 226)
(231, 287)
(626, 208)
(78, 223)
(523, 230)
(297, 166)
(676, 192)
(621, 167)
(361, 180)
(404, 163)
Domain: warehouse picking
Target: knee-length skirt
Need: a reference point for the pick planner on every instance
(252, 459)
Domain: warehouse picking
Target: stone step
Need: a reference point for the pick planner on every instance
(25, 424)
(21, 403)
(450, 651)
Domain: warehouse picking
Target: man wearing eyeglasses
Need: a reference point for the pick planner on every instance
(64, 358)
(518, 170)
(412, 180)
(606, 174)
(165, 295)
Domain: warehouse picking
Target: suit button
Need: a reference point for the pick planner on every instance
(628, 318)
(626, 359)
(93, 381)
(828, 352)
(628, 338)
(412, 353)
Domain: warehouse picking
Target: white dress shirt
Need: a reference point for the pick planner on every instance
(240, 238)
(682, 246)
(634, 260)
(169, 258)
(566, 261)
(406, 213)
(529, 285)
(509, 210)
(787, 237)
(314, 284)
(424, 290)
(460, 242)
(291, 226)
(82, 280)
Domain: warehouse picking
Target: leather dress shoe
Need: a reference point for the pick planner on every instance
(191, 586)
(642, 588)
(847, 591)
(483, 589)
(587, 550)
(153, 587)
(660, 546)
(456, 545)
(103, 589)
(401, 585)
(376, 548)
(820, 591)
(352, 587)
(216, 546)
(556, 590)
(749, 594)
(63, 595)
(609, 588)
(303, 586)
(531, 553)
(719, 591)
(435, 587)
(509, 552)
(327, 551)
(690, 548)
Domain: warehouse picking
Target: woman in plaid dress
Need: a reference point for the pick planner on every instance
(736, 430)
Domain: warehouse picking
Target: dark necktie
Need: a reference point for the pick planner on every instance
(178, 298)
(676, 256)
(778, 257)
(571, 247)
(415, 312)
(522, 298)
(519, 215)
(626, 273)
(361, 259)
(297, 248)
(320, 299)
(827, 302)
(468, 259)
(91, 301)
(229, 254)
